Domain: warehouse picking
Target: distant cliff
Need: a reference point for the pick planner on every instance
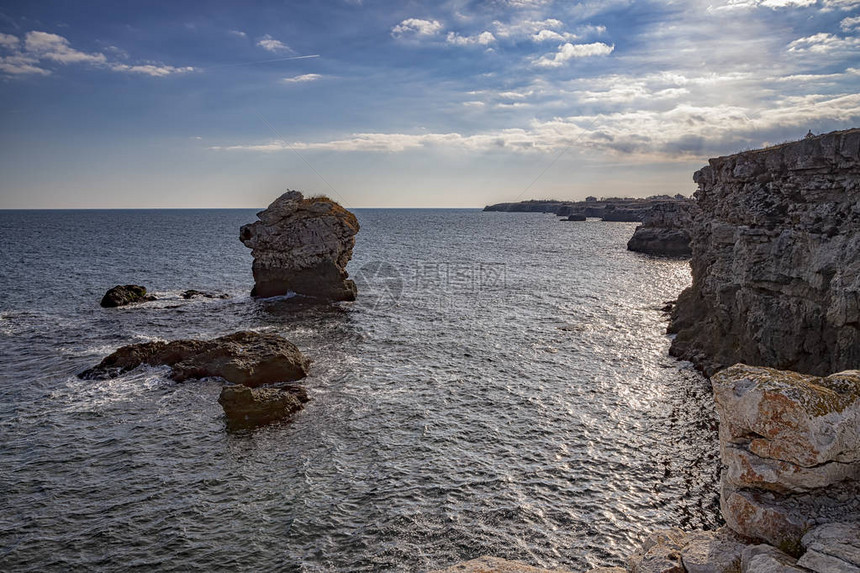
(626, 209)
(776, 259)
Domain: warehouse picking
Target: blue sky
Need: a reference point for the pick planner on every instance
(377, 103)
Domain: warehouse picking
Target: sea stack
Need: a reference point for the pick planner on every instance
(776, 276)
(302, 246)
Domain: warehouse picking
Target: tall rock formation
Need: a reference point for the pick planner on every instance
(302, 246)
(776, 271)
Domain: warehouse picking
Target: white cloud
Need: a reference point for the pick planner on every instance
(848, 24)
(9, 41)
(417, 27)
(674, 134)
(569, 51)
(39, 48)
(154, 70)
(270, 44)
(238, 33)
(522, 28)
(47, 46)
(841, 4)
(304, 78)
(482, 39)
(823, 43)
(553, 36)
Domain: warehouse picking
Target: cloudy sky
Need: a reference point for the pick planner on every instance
(402, 103)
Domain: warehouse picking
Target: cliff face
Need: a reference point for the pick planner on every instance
(776, 259)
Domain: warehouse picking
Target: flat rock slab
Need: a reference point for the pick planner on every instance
(832, 548)
(247, 358)
(487, 564)
(768, 559)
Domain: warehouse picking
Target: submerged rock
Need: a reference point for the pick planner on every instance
(250, 407)
(191, 293)
(302, 246)
(790, 446)
(122, 295)
(776, 276)
(247, 358)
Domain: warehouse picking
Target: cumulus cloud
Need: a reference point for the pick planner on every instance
(750, 4)
(482, 39)
(304, 78)
(416, 27)
(568, 51)
(522, 28)
(38, 49)
(841, 4)
(270, 44)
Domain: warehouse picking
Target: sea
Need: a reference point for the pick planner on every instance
(500, 387)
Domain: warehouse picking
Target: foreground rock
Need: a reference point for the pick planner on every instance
(674, 551)
(122, 295)
(248, 358)
(776, 276)
(790, 446)
(665, 230)
(250, 407)
(302, 246)
(832, 547)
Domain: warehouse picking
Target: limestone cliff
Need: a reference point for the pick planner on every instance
(302, 246)
(776, 271)
(665, 230)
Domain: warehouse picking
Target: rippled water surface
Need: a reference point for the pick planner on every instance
(500, 387)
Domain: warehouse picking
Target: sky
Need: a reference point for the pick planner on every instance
(377, 103)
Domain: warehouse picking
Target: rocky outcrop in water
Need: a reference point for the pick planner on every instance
(776, 275)
(302, 246)
(247, 358)
(790, 447)
(122, 295)
(250, 407)
(665, 230)
(189, 294)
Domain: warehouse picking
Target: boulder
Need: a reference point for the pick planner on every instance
(302, 246)
(122, 295)
(250, 407)
(712, 552)
(575, 217)
(247, 358)
(659, 553)
(790, 445)
(832, 548)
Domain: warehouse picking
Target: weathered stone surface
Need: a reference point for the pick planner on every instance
(487, 564)
(776, 276)
(790, 444)
(659, 553)
(665, 230)
(247, 358)
(832, 548)
(711, 552)
(122, 295)
(768, 559)
(250, 407)
(302, 246)
(788, 432)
